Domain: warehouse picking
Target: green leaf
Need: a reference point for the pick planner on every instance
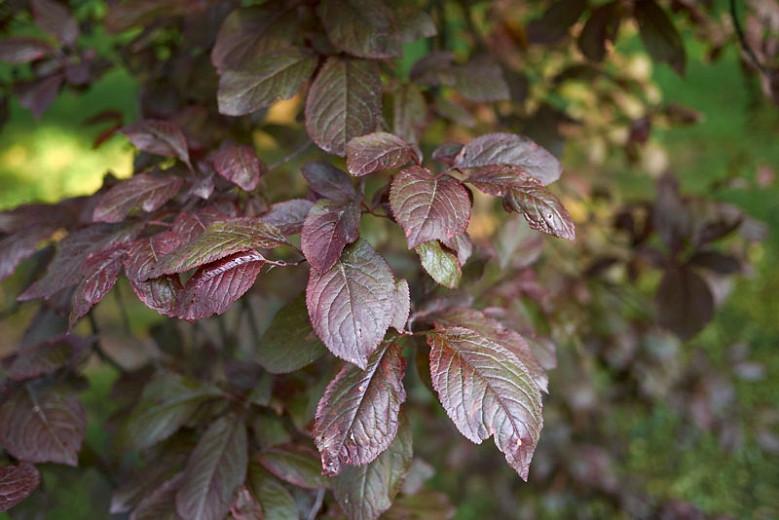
(440, 264)
(295, 464)
(277, 503)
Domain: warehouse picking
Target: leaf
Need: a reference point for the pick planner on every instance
(329, 227)
(17, 483)
(462, 246)
(102, 270)
(277, 503)
(289, 343)
(364, 28)
(498, 179)
(423, 505)
(245, 506)
(486, 391)
(365, 492)
(21, 245)
(660, 37)
(216, 286)
(142, 255)
(288, 216)
(168, 401)
(429, 206)
(684, 302)
(160, 504)
(263, 80)
(556, 21)
(215, 470)
(481, 81)
(251, 31)
(343, 102)
(357, 417)
(219, 240)
(42, 426)
(239, 164)
(46, 357)
(512, 149)
(294, 464)
(38, 94)
(409, 112)
(158, 137)
(56, 20)
(447, 153)
(716, 262)
(495, 331)
(379, 151)
(351, 304)
(21, 49)
(401, 306)
(542, 209)
(601, 28)
(329, 182)
(441, 265)
(143, 192)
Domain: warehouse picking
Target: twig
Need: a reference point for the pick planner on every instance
(122, 309)
(320, 497)
(248, 309)
(742, 39)
(99, 345)
(297, 151)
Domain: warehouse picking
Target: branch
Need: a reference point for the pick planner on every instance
(742, 39)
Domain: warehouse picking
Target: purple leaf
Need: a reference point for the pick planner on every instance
(142, 192)
(102, 270)
(160, 503)
(251, 31)
(295, 464)
(462, 246)
(288, 216)
(329, 182)
(365, 492)
(379, 151)
(357, 417)
(542, 209)
(601, 28)
(486, 391)
(220, 239)
(684, 302)
(37, 95)
(364, 28)
(329, 227)
(215, 286)
(429, 206)
(714, 261)
(20, 49)
(55, 19)
(351, 305)
(512, 149)
(409, 112)
(263, 80)
(240, 165)
(401, 306)
(440, 264)
(498, 179)
(495, 331)
(47, 357)
(159, 138)
(447, 153)
(45, 426)
(18, 246)
(344, 102)
(215, 470)
(142, 255)
(17, 483)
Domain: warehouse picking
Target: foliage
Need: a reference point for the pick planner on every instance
(379, 259)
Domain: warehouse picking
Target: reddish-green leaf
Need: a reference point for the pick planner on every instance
(429, 206)
(239, 164)
(263, 80)
(542, 209)
(215, 470)
(277, 503)
(409, 112)
(512, 149)
(159, 138)
(219, 240)
(20, 49)
(17, 483)
(365, 492)
(357, 417)
(215, 286)
(364, 28)
(660, 37)
(295, 464)
(42, 426)
(351, 304)
(401, 306)
(379, 151)
(160, 503)
(344, 102)
(146, 191)
(329, 227)
(486, 391)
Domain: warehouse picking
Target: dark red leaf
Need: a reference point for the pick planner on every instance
(542, 209)
(716, 262)
(37, 95)
(486, 391)
(159, 138)
(101, 272)
(351, 305)
(601, 28)
(329, 227)
(401, 307)
(556, 21)
(19, 246)
(20, 49)
(239, 165)
(288, 216)
(55, 19)
(344, 102)
(511, 149)
(215, 286)
(42, 426)
(145, 192)
(447, 153)
(156, 293)
(498, 179)
(379, 151)
(329, 182)
(429, 206)
(17, 483)
(684, 302)
(357, 417)
(364, 28)
(43, 358)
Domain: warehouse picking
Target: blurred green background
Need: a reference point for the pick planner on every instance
(735, 144)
